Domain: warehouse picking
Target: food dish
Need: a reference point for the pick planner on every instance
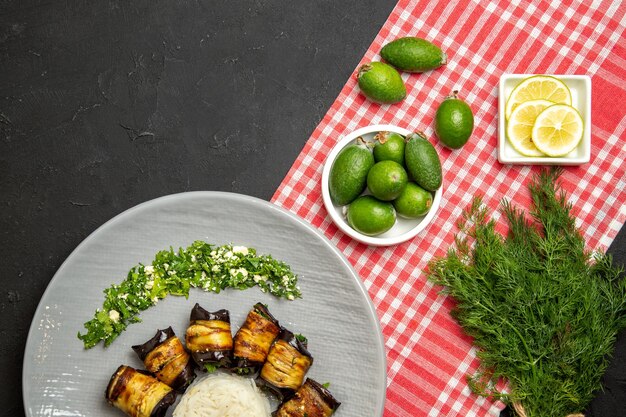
(220, 394)
(403, 229)
(209, 338)
(61, 377)
(311, 399)
(166, 358)
(580, 87)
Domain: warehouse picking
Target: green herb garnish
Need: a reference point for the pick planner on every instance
(243, 371)
(543, 311)
(210, 367)
(201, 265)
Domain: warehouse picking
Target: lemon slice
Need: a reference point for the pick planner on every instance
(519, 128)
(558, 130)
(538, 87)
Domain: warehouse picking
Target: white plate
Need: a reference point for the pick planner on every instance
(61, 378)
(580, 86)
(403, 229)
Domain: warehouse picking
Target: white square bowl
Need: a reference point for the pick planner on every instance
(580, 86)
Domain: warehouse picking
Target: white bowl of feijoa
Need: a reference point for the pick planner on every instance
(373, 188)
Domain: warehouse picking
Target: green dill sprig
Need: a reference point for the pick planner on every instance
(543, 311)
(201, 265)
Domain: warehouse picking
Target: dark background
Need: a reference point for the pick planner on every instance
(107, 104)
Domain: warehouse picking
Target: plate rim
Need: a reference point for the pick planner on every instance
(26, 365)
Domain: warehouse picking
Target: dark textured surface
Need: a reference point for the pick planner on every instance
(104, 105)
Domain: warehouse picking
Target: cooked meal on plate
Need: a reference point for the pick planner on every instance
(254, 339)
(312, 399)
(287, 363)
(139, 394)
(208, 337)
(166, 358)
(263, 361)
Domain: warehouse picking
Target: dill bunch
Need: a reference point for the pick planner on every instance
(543, 311)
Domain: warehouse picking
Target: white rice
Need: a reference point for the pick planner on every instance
(223, 395)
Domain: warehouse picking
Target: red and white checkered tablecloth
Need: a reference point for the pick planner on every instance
(428, 356)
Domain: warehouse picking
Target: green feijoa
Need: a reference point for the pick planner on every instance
(422, 162)
(389, 146)
(386, 180)
(348, 174)
(454, 121)
(381, 82)
(412, 54)
(413, 202)
(370, 216)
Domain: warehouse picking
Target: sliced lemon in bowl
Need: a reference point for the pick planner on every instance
(558, 129)
(538, 87)
(520, 126)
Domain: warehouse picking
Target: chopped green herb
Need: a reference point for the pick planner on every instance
(326, 385)
(262, 313)
(201, 265)
(210, 368)
(544, 312)
(301, 338)
(243, 371)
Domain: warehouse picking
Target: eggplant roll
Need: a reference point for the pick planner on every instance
(287, 363)
(165, 356)
(208, 337)
(253, 340)
(139, 394)
(311, 400)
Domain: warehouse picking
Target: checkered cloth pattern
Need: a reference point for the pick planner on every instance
(428, 356)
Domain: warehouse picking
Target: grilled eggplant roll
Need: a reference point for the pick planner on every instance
(287, 363)
(311, 400)
(165, 356)
(253, 340)
(138, 394)
(208, 337)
